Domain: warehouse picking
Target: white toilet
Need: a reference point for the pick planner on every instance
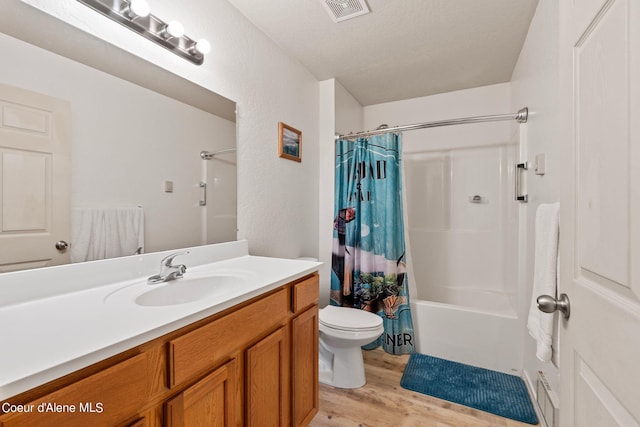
(343, 331)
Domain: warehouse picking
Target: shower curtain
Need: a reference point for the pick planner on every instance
(368, 262)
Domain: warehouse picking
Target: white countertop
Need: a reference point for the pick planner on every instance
(46, 338)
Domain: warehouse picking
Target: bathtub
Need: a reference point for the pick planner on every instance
(477, 333)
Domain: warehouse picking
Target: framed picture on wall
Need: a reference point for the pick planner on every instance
(289, 142)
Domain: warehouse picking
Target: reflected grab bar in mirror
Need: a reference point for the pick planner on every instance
(203, 202)
(520, 168)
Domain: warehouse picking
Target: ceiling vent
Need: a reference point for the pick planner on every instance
(341, 10)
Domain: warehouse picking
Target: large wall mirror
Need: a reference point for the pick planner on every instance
(129, 135)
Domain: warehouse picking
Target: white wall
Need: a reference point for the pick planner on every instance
(349, 113)
(535, 84)
(480, 101)
(125, 141)
(277, 198)
(339, 113)
(326, 184)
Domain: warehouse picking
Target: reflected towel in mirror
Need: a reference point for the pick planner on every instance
(100, 233)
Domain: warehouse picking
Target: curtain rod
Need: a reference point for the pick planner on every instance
(207, 155)
(521, 117)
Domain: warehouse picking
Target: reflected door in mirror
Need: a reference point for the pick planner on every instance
(35, 147)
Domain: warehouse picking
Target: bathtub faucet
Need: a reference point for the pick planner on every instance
(168, 271)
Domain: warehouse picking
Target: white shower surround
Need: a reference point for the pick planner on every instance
(458, 243)
(464, 275)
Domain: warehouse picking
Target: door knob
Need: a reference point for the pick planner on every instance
(549, 304)
(61, 245)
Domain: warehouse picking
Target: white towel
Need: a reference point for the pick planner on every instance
(545, 276)
(100, 233)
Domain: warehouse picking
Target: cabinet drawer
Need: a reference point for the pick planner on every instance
(103, 399)
(305, 293)
(201, 349)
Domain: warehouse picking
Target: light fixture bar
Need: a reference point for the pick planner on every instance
(150, 27)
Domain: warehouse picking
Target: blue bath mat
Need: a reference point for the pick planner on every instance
(489, 391)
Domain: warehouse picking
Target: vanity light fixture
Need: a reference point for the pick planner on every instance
(201, 46)
(138, 8)
(173, 29)
(136, 15)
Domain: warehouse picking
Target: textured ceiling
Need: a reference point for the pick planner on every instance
(403, 48)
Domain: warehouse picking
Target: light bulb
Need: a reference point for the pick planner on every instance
(202, 46)
(175, 29)
(139, 8)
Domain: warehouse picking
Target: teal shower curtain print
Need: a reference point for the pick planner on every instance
(368, 262)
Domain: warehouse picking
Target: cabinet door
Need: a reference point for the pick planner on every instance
(103, 399)
(304, 366)
(209, 402)
(267, 392)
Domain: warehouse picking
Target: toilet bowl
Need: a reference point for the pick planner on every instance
(343, 331)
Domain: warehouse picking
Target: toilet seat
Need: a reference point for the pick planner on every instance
(349, 319)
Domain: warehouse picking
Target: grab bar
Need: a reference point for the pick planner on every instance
(203, 202)
(520, 168)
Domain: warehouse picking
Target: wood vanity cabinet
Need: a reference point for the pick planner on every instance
(255, 364)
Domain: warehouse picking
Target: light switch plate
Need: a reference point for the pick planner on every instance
(168, 186)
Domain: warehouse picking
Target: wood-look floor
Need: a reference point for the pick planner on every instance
(382, 402)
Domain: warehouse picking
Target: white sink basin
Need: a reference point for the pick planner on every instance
(193, 287)
(188, 289)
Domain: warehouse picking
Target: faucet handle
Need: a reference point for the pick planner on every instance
(181, 269)
(169, 258)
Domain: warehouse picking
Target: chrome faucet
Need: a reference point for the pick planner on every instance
(168, 271)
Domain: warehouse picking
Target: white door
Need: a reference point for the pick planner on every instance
(35, 146)
(600, 212)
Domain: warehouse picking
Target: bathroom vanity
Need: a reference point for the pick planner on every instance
(244, 357)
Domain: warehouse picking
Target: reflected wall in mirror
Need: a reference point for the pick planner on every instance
(132, 150)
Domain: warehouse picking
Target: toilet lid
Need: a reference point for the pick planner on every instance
(349, 319)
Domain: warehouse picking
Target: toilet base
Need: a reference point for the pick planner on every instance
(341, 367)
